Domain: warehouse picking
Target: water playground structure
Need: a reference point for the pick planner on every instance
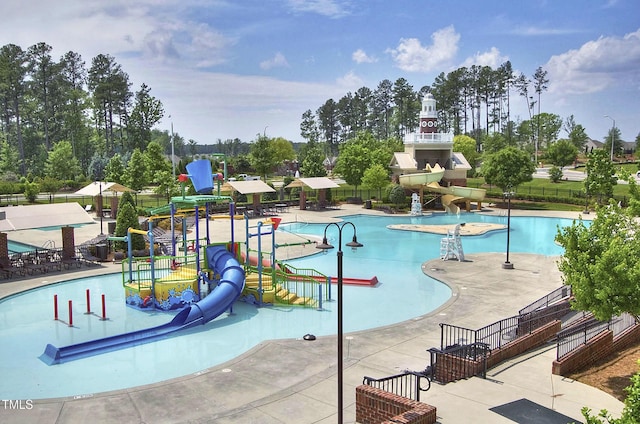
(200, 280)
(419, 166)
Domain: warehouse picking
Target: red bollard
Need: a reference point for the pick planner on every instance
(104, 309)
(88, 303)
(70, 314)
(55, 307)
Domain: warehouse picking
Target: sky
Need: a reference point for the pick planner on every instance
(227, 69)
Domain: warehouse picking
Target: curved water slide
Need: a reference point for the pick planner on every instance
(452, 194)
(221, 298)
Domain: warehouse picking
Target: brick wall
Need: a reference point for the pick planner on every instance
(597, 348)
(4, 247)
(376, 406)
(522, 344)
(451, 368)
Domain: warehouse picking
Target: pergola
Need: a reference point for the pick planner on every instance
(314, 183)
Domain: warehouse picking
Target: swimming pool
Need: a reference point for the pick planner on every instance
(18, 247)
(395, 257)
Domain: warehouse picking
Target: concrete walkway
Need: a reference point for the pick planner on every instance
(294, 381)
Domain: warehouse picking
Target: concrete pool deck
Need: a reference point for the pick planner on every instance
(294, 381)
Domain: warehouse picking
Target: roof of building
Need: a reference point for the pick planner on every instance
(460, 161)
(403, 160)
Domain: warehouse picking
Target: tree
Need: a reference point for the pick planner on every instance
(155, 163)
(309, 127)
(562, 153)
(136, 172)
(376, 177)
(352, 163)
(507, 168)
(262, 157)
(128, 218)
(282, 150)
(601, 263)
(601, 176)
(312, 164)
(614, 136)
(12, 87)
(540, 82)
(467, 146)
(576, 133)
(61, 164)
(114, 171)
(147, 112)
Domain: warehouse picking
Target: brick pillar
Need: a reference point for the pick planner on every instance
(98, 200)
(114, 207)
(303, 199)
(4, 248)
(68, 243)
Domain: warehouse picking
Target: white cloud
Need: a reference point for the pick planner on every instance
(350, 81)
(492, 58)
(360, 56)
(278, 60)
(412, 56)
(330, 8)
(596, 65)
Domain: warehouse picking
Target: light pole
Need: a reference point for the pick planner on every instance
(173, 163)
(508, 194)
(325, 246)
(613, 134)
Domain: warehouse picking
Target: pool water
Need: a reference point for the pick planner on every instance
(18, 247)
(395, 257)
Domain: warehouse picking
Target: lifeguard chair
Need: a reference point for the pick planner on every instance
(451, 245)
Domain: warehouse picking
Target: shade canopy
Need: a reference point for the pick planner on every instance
(94, 188)
(314, 183)
(39, 216)
(251, 187)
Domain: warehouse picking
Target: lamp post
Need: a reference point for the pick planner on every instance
(173, 162)
(613, 134)
(508, 194)
(326, 246)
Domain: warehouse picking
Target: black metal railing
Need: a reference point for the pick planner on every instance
(409, 384)
(580, 333)
(470, 360)
(555, 296)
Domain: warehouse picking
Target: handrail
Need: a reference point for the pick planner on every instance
(408, 384)
(558, 294)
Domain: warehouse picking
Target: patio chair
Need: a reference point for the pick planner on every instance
(10, 268)
(85, 256)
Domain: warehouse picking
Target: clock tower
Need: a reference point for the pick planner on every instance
(428, 115)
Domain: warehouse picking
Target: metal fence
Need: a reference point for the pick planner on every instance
(409, 384)
(578, 334)
(555, 296)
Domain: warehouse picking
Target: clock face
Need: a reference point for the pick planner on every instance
(423, 124)
(431, 124)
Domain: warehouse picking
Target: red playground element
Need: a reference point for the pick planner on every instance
(70, 314)
(55, 307)
(104, 309)
(183, 178)
(275, 222)
(346, 280)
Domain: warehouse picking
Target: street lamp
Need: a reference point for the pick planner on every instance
(173, 162)
(613, 134)
(326, 246)
(508, 194)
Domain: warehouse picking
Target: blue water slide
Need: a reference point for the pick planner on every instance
(220, 299)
